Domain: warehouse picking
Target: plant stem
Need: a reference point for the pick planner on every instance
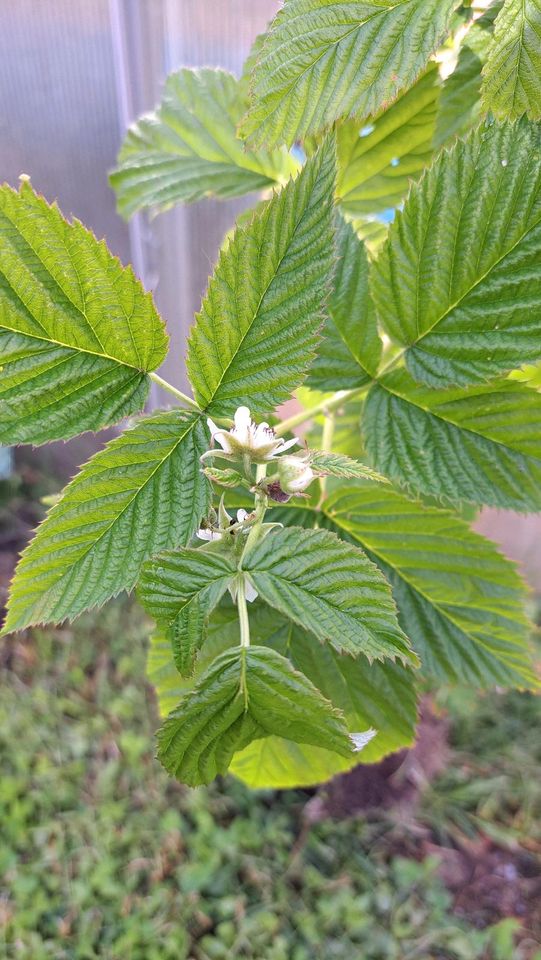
(243, 613)
(184, 399)
(333, 403)
(392, 363)
(326, 445)
(326, 406)
(328, 433)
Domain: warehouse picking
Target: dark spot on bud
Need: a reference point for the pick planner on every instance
(275, 492)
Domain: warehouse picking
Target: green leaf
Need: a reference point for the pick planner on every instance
(378, 695)
(256, 334)
(459, 107)
(78, 334)
(330, 589)
(377, 163)
(142, 493)
(180, 589)
(350, 347)
(246, 693)
(457, 282)
(188, 149)
(325, 59)
(337, 465)
(221, 632)
(371, 231)
(459, 600)
(512, 75)
(481, 445)
(226, 478)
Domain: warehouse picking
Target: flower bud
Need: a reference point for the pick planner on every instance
(295, 474)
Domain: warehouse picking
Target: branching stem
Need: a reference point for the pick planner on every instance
(326, 406)
(182, 397)
(333, 403)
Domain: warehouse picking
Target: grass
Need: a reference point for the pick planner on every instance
(102, 856)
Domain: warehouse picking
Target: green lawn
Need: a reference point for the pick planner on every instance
(103, 856)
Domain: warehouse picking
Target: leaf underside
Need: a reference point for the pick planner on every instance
(459, 105)
(377, 162)
(188, 149)
(337, 465)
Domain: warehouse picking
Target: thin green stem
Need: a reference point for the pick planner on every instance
(243, 613)
(393, 362)
(326, 444)
(184, 399)
(326, 406)
(247, 467)
(328, 433)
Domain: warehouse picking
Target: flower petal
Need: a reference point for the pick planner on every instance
(243, 428)
(207, 534)
(288, 443)
(250, 591)
(212, 427)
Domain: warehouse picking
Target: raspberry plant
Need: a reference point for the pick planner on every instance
(303, 592)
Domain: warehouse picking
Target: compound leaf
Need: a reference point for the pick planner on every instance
(246, 693)
(330, 588)
(326, 59)
(78, 334)
(338, 465)
(457, 282)
(256, 334)
(376, 695)
(479, 444)
(188, 149)
(142, 493)
(459, 600)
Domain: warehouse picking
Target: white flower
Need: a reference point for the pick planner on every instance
(205, 534)
(295, 474)
(225, 522)
(246, 437)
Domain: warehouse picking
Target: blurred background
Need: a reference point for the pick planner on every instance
(100, 854)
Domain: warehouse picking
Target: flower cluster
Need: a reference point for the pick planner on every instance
(249, 442)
